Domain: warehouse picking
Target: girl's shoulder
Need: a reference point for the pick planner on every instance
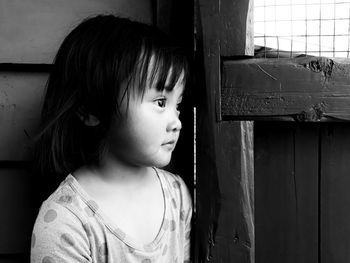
(172, 179)
(176, 191)
(68, 203)
(175, 186)
(64, 193)
(60, 231)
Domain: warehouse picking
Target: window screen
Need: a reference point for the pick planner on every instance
(288, 28)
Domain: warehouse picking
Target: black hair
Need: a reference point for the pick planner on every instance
(93, 62)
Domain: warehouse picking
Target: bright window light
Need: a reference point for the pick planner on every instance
(295, 27)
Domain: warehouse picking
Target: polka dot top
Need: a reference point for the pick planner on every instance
(71, 228)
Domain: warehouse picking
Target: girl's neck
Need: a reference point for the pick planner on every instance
(114, 171)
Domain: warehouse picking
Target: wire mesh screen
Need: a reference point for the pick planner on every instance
(288, 28)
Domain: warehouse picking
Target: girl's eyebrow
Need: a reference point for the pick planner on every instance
(170, 91)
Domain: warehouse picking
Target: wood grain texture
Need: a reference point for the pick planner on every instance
(223, 202)
(224, 234)
(247, 181)
(303, 89)
(286, 192)
(335, 197)
(31, 31)
(20, 102)
(236, 27)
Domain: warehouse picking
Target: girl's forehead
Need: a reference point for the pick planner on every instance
(154, 74)
(169, 86)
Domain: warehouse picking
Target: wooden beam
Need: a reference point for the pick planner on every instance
(302, 89)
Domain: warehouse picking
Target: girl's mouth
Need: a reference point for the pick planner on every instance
(170, 145)
(169, 142)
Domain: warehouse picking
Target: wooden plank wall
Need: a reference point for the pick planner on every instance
(335, 194)
(30, 33)
(302, 192)
(286, 192)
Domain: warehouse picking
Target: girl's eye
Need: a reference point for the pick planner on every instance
(161, 102)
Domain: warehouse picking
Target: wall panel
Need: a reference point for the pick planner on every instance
(31, 31)
(286, 192)
(17, 210)
(20, 102)
(335, 194)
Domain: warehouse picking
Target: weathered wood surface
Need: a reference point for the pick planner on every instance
(224, 205)
(335, 194)
(235, 28)
(302, 89)
(31, 31)
(286, 192)
(20, 102)
(247, 182)
(224, 226)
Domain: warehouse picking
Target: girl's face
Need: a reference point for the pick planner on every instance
(147, 131)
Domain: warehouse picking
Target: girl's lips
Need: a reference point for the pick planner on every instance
(169, 142)
(169, 146)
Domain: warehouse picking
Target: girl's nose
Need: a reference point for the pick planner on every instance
(175, 123)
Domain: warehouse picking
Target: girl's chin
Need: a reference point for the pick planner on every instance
(163, 162)
(159, 160)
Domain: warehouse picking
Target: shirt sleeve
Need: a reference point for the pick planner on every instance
(188, 210)
(187, 243)
(59, 236)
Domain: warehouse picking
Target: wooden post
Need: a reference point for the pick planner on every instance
(225, 207)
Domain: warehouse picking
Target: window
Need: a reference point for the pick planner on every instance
(289, 28)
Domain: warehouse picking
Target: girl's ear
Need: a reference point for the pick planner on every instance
(87, 118)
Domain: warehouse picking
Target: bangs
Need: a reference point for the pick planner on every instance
(156, 65)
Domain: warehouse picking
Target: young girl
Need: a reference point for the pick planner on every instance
(110, 120)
